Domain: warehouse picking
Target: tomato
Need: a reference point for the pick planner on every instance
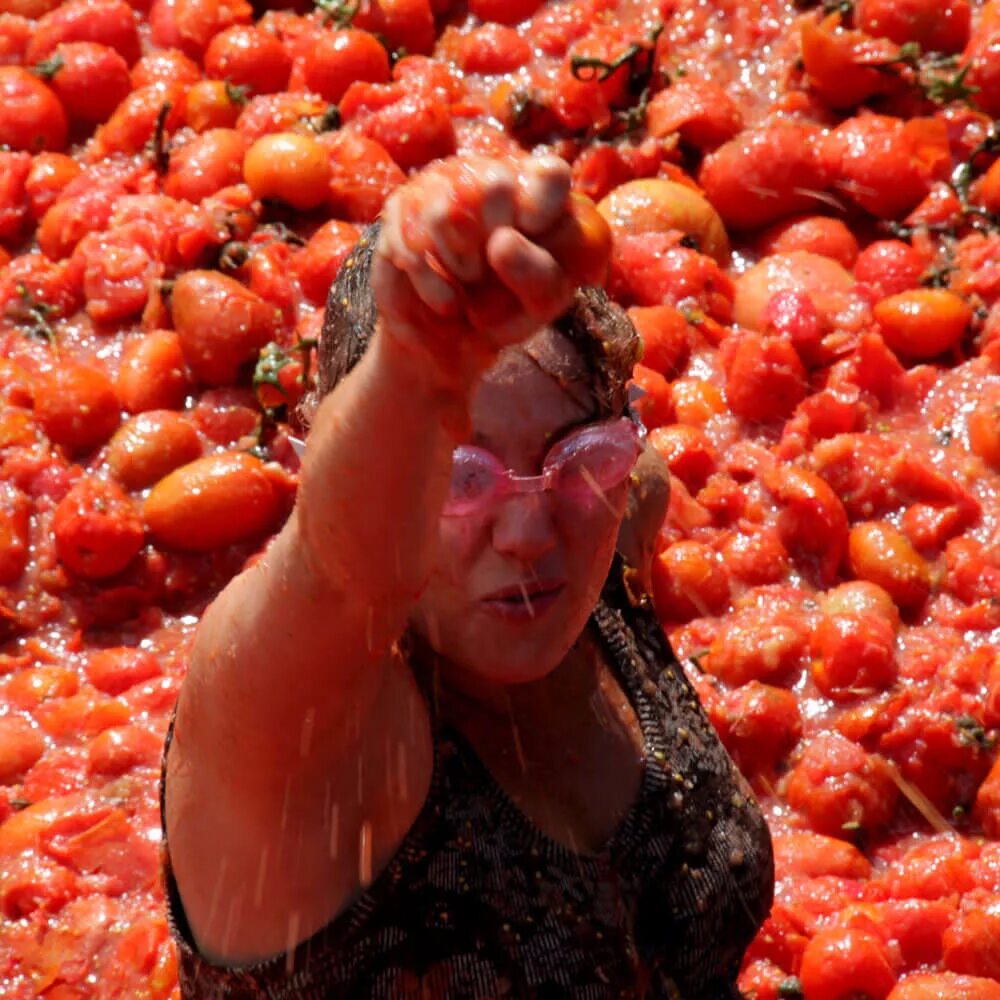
(363, 175)
(700, 110)
(889, 267)
(654, 404)
(762, 726)
(197, 22)
(137, 120)
(212, 104)
(49, 175)
(21, 745)
(336, 59)
(117, 271)
(853, 655)
(765, 379)
(31, 116)
(147, 447)
(937, 25)
(245, 56)
(97, 529)
(881, 554)
(885, 165)
(493, 48)
(290, 167)
(208, 162)
(153, 374)
(212, 502)
(220, 324)
(752, 646)
(946, 986)
(90, 79)
(77, 407)
(841, 963)
(924, 322)
(817, 234)
(689, 579)
(164, 66)
(317, 265)
(107, 22)
(504, 11)
(763, 174)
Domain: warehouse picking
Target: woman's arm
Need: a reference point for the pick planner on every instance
(286, 707)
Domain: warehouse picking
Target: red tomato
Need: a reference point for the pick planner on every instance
(97, 529)
(147, 447)
(889, 267)
(765, 174)
(220, 324)
(763, 723)
(14, 171)
(840, 788)
(886, 165)
(493, 48)
(699, 110)
(335, 59)
(49, 176)
(765, 379)
(117, 669)
(90, 79)
(31, 116)
(153, 374)
(504, 11)
(212, 502)
(814, 233)
(248, 57)
(208, 162)
(164, 66)
(117, 271)
(838, 964)
(688, 580)
(317, 265)
(77, 407)
(106, 22)
(363, 175)
(935, 25)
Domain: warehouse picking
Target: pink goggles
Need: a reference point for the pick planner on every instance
(580, 467)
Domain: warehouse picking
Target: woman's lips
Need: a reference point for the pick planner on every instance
(523, 604)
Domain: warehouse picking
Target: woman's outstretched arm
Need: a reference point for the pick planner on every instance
(286, 706)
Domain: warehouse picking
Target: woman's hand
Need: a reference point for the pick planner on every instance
(476, 254)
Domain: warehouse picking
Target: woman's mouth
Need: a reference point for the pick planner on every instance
(523, 602)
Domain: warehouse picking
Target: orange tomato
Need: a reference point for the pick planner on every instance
(290, 167)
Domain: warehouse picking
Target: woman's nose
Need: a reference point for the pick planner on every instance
(523, 527)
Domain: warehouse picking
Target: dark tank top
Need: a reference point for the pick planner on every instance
(479, 903)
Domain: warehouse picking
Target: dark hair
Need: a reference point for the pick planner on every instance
(598, 328)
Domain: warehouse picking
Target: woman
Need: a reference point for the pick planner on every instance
(434, 743)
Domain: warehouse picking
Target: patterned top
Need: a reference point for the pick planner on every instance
(478, 903)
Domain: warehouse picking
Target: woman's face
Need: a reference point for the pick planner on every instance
(512, 589)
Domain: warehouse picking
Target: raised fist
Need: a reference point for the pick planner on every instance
(478, 253)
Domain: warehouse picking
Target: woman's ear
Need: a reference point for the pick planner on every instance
(649, 496)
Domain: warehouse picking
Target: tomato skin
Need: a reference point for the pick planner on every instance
(885, 165)
(106, 22)
(700, 110)
(153, 374)
(753, 646)
(765, 380)
(212, 502)
(31, 116)
(97, 529)
(839, 787)
(689, 580)
(133, 123)
(504, 11)
(290, 167)
(164, 66)
(945, 986)
(337, 58)
(49, 175)
(881, 554)
(889, 267)
(220, 324)
(147, 447)
(21, 745)
(493, 49)
(15, 523)
(77, 407)
(817, 234)
(923, 323)
(666, 338)
(116, 669)
(784, 158)
(363, 175)
(414, 130)
(854, 655)
(813, 855)
(91, 80)
(841, 963)
(119, 749)
(317, 265)
(117, 269)
(248, 57)
(937, 25)
(14, 171)
(210, 161)
(763, 724)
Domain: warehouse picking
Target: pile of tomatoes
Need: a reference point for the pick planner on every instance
(805, 203)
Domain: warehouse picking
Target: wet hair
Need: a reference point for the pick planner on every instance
(598, 329)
